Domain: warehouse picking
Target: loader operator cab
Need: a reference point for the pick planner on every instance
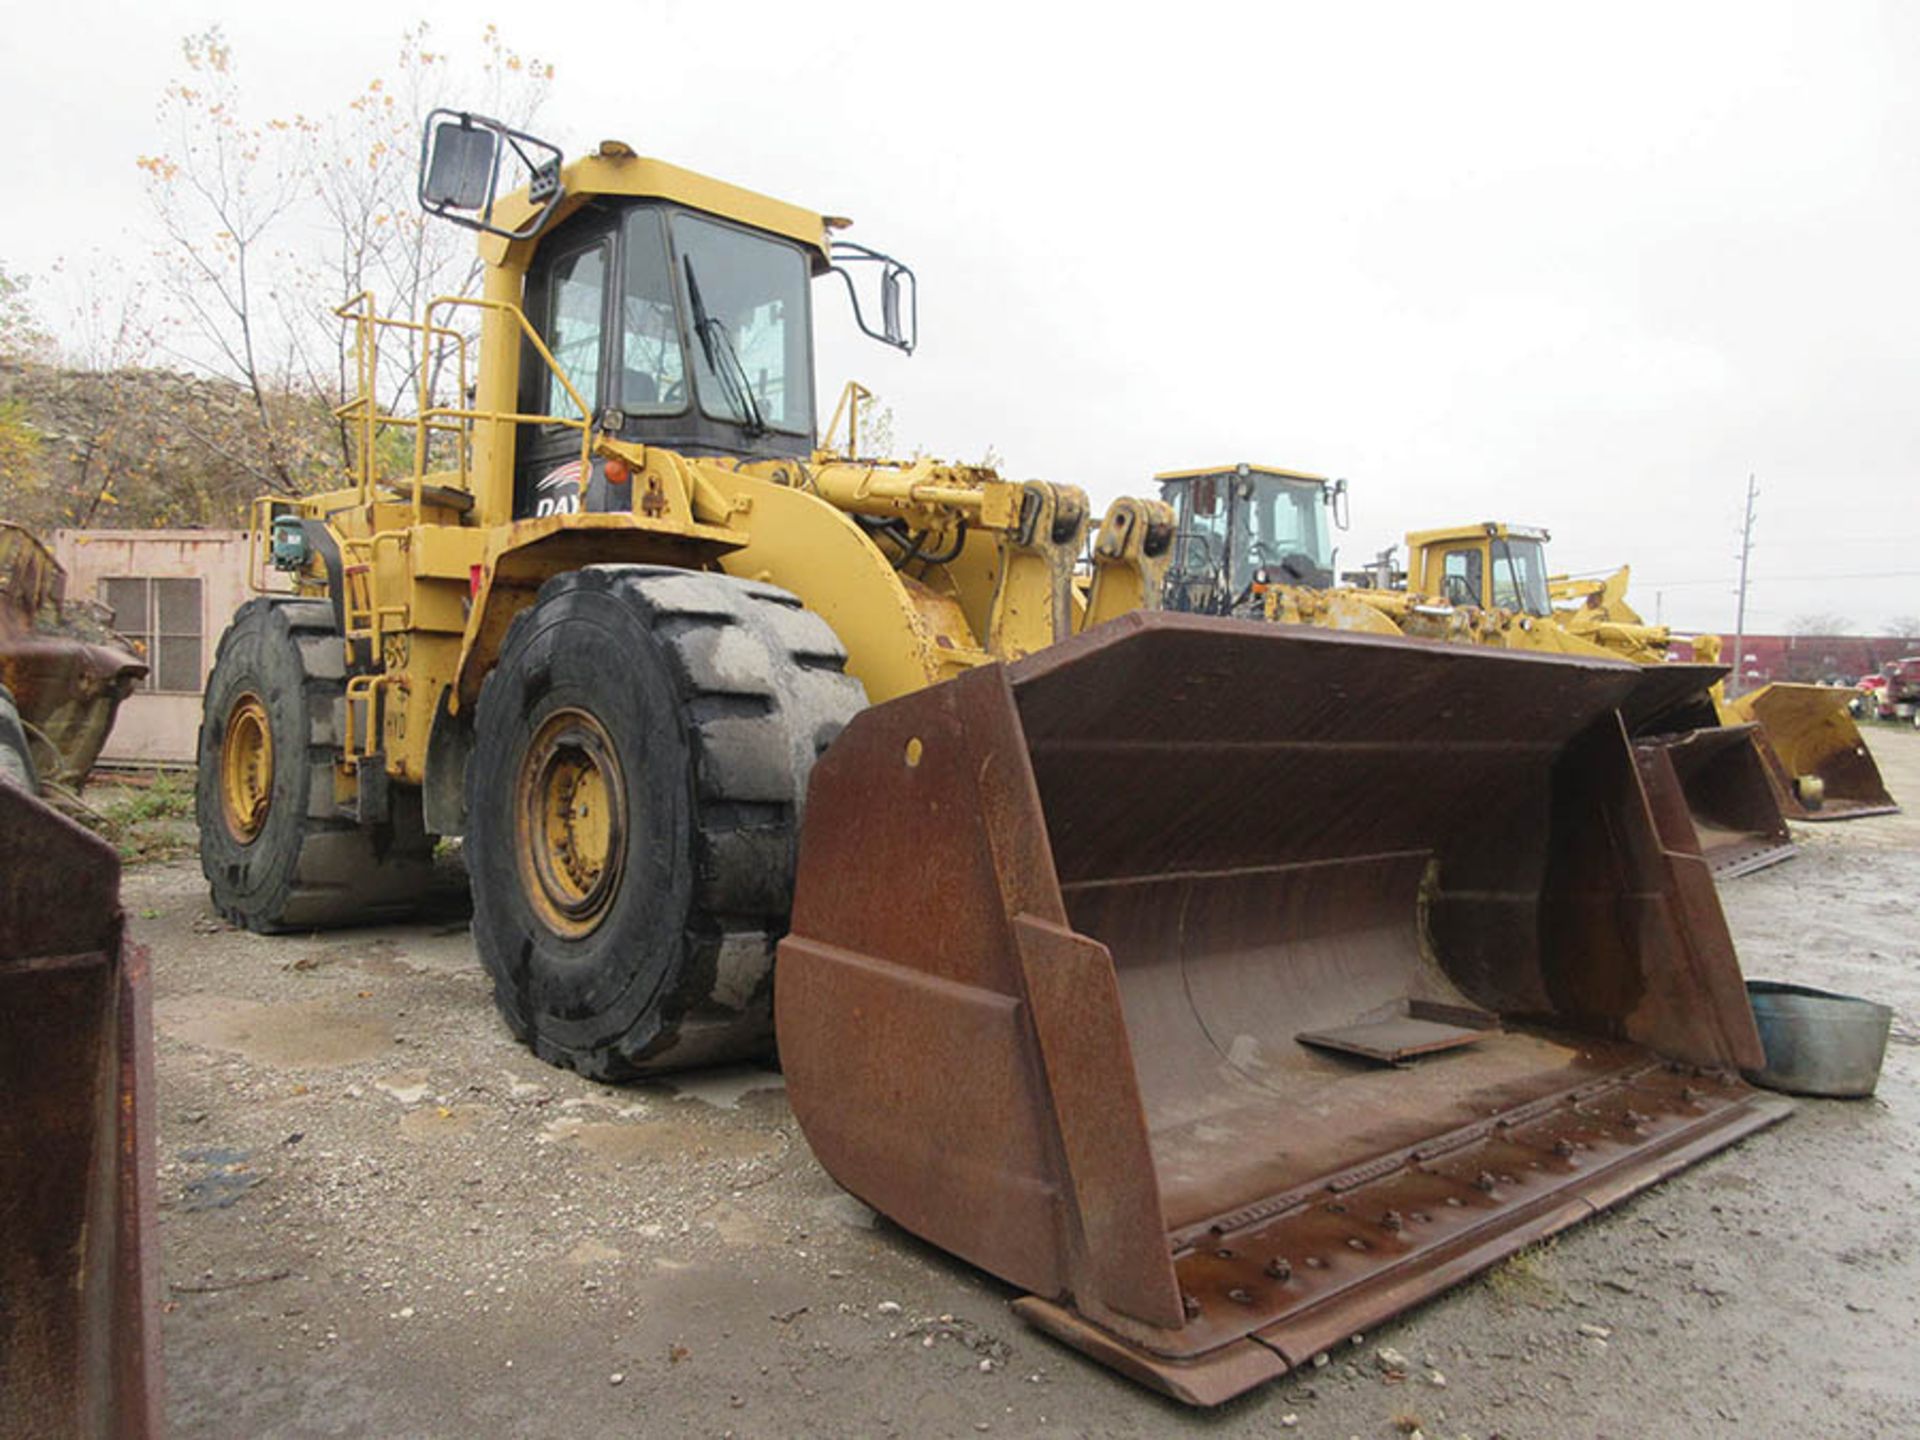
(1489, 566)
(1242, 526)
(677, 310)
(676, 329)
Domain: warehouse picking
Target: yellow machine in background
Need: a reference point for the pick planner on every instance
(1482, 585)
(1816, 758)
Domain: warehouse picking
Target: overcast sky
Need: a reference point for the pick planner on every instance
(1581, 267)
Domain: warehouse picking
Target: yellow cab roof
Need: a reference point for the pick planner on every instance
(1234, 469)
(616, 170)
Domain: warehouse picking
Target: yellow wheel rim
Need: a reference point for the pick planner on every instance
(246, 768)
(570, 797)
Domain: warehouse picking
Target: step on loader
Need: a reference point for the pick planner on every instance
(1218, 984)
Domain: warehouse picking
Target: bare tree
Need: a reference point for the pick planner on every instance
(270, 225)
(22, 337)
(1903, 627)
(1819, 623)
(384, 246)
(221, 194)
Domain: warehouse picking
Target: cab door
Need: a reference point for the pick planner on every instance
(569, 302)
(1457, 574)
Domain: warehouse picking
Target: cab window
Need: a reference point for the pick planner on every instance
(653, 374)
(1520, 577)
(1200, 548)
(746, 303)
(1460, 576)
(576, 321)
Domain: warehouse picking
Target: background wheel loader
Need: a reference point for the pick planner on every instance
(1480, 585)
(1224, 986)
(1814, 753)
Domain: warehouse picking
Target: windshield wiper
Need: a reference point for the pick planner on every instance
(722, 359)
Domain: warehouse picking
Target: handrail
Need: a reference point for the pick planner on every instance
(364, 414)
(584, 424)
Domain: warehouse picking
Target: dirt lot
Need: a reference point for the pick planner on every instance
(381, 1217)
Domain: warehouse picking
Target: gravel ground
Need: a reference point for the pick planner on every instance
(381, 1217)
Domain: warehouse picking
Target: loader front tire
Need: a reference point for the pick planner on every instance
(640, 763)
(277, 851)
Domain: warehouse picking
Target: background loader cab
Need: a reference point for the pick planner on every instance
(1244, 525)
(1490, 566)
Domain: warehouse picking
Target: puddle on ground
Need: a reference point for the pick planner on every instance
(224, 1175)
(436, 1122)
(305, 1035)
(662, 1140)
(409, 1087)
(736, 1227)
(843, 1209)
(592, 1252)
(725, 1087)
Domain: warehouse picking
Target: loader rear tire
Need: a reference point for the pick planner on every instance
(277, 851)
(640, 764)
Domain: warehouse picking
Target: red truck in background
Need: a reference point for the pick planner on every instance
(1899, 697)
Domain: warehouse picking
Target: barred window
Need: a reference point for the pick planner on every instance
(163, 614)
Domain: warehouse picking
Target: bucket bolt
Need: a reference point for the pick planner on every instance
(1563, 1148)
(1279, 1268)
(1392, 1223)
(1484, 1182)
(1240, 1296)
(1190, 1307)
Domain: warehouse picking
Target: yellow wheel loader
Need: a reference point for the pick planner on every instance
(1254, 541)
(1815, 755)
(1226, 987)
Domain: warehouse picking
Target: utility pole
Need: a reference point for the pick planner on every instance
(1740, 611)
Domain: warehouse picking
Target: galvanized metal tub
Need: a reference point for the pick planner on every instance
(1817, 1042)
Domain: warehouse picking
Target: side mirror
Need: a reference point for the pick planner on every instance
(899, 295)
(458, 172)
(1337, 502)
(462, 159)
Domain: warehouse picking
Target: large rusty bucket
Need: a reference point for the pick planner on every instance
(1231, 987)
(1816, 758)
(79, 1317)
(1719, 769)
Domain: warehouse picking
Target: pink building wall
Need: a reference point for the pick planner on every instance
(160, 724)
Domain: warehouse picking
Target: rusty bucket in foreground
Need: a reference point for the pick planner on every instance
(1719, 770)
(79, 1318)
(1231, 987)
(1815, 755)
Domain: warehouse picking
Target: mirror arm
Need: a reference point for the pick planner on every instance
(891, 331)
(543, 183)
